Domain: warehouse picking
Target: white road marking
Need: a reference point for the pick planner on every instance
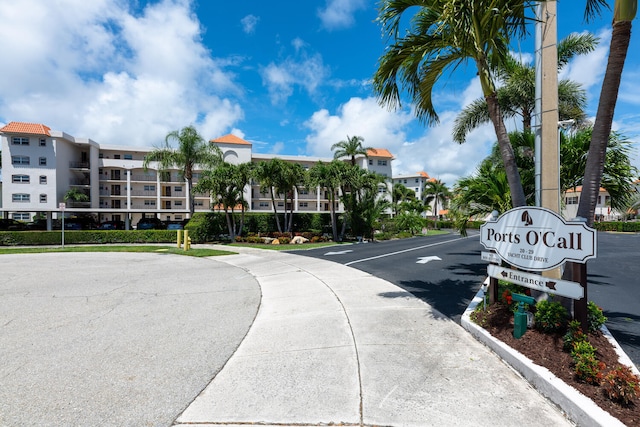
(339, 252)
(426, 259)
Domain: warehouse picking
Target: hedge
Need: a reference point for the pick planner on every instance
(631, 227)
(72, 237)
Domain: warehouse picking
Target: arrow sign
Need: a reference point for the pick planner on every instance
(535, 281)
(339, 252)
(426, 259)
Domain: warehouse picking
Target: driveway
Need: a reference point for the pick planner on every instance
(115, 338)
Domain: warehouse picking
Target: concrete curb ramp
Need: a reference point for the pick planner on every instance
(332, 345)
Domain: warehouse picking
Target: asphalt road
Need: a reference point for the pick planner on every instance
(112, 339)
(450, 281)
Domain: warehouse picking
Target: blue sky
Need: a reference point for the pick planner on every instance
(291, 77)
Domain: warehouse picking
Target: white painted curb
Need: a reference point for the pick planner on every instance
(578, 408)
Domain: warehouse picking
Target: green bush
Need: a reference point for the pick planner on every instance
(621, 385)
(587, 368)
(631, 227)
(74, 237)
(595, 318)
(574, 335)
(551, 316)
(207, 226)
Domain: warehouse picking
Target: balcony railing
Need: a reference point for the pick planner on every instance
(79, 165)
(79, 182)
(146, 178)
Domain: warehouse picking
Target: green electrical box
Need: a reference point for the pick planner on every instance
(520, 317)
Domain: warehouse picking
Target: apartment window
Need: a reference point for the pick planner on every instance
(416, 190)
(43, 179)
(116, 156)
(178, 203)
(280, 204)
(42, 161)
(20, 179)
(101, 155)
(20, 160)
(177, 189)
(370, 162)
(20, 140)
(416, 180)
(303, 191)
(20, 197)
(304, 204)
(178, 217)
(264, 204)
(405, 181)
(573, 200)
(198, 203)
(24, 216)
(149, 188)
(128, 157)
(149, 202)
(382, 189)
(43, 198)
(382, 163)
(43, 142)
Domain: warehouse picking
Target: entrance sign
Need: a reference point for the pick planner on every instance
(535, 238)
(490, 256)
(549, 285)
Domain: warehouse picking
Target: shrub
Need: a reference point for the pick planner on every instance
(551, 316)
(595, 318)
(588, 368)
(621, 385)
(574, 335)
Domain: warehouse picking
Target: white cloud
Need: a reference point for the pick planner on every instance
(308, 72)
(249, 23)
(339, 13)
(96, 70)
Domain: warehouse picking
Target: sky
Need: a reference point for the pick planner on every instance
(292, 77)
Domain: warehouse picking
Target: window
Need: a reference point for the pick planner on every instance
(43, 142)
(20, 197)
(177, 189)
(149, 202)
(20, 140)
(101, 155)
(43, 198)
(116, 156)
(264, 204)
(382, 189)
(149, 188)
(573, 200)
(416, 190)
(382, 163)
(177, 203)
(303, 191)
(280, 204)
(42, 161)
(370, 162)
(198, 203)
(304, 204)
(178, 217)
(20, 160)
(43, 179)
(23, 216)
(416, 180)
(128, 157)
(20, 179)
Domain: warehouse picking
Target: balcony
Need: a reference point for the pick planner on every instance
(79, 165)
(80, 182)
(75, 204)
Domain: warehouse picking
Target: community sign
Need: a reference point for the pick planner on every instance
(538, 239)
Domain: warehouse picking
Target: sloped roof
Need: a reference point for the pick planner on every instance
(230, 139)
(578, 189)
(26, 128)
(380, 152)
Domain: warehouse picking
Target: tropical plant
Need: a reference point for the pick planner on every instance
(517, 96)
(401, 194)
(351, 147)
(75, 195)
(192, 150)
(328, 176)
(442, 35)
(437, 192)
(226, 185)
(624, 11)
(551, 316)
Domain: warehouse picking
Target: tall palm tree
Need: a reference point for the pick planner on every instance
(192, 150)
(437, 192)
(351, 147)
(624, 13)
(327, 176)
(400, 194)
(442, 35)
(268, 175)
(291, 179)
(517, 94)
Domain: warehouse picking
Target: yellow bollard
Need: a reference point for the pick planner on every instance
(179, 239)
(187, 240)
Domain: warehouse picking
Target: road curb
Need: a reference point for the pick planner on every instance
(577, 407)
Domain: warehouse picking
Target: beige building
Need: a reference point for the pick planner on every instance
(40, 165)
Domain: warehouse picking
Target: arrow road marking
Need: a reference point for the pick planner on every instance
(339, 252)
(426, 259)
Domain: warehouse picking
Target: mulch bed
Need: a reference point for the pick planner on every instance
(546, 350)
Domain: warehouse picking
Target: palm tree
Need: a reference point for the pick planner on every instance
(624, 12)
(517, 94)
(192, 150)
(400, 194)
(436, 191)
(351, 147)
(291, 179)
(268, 174)
(327, 176)
(443, 35)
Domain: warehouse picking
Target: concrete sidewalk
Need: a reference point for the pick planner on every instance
(334, 345)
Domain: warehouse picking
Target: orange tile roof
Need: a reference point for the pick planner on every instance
(230, 139)
(28, 128)
(379, 152)
(578, 189)
(424, 174)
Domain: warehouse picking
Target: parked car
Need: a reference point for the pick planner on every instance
(150, 224)
(8, 224)
(175, 226)
(111, 225)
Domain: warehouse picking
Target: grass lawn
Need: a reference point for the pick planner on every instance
(113, 248)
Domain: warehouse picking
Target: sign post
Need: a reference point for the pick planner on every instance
(62, 206)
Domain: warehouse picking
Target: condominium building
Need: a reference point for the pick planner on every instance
(40, 166)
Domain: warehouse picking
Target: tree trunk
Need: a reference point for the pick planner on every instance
(275, 210)
(506, 151)
(604, 117)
